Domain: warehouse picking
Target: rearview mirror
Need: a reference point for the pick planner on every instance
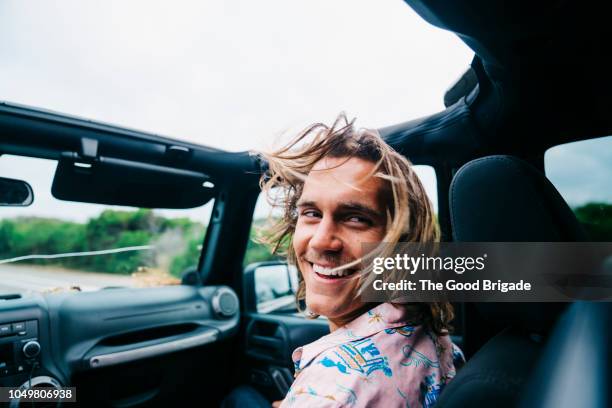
(15, 193)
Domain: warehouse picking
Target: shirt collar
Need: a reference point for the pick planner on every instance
(382, 317)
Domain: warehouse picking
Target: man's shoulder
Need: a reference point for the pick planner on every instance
(405, 363)
(381, 354)
(362, 357)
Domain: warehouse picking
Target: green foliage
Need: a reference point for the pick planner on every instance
(111, 229)
(25, 236)
(115, 229)
(189, 257)
(184, 224)
(122, 262)
(256, 251)
(597, 220)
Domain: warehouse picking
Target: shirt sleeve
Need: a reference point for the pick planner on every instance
(308, 398)
(320, 385)
(314, 388)
(327, 382)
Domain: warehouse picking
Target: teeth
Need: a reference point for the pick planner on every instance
(329, 271)
(322, 270)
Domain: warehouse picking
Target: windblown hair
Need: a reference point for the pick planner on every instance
(409, 213)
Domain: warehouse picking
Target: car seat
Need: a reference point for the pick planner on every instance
(505, 199)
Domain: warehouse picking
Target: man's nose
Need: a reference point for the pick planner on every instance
(326, 237)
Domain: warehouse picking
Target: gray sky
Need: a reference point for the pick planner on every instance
(228, 74)
(231, 74)
(237, 74)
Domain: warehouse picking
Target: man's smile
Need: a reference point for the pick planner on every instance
(329, 272)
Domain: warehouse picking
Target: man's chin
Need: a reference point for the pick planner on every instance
(323, 307)
(329, 306)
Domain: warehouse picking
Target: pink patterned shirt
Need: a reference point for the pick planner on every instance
(378, 359)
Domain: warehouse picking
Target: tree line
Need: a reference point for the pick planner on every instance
(176, 241)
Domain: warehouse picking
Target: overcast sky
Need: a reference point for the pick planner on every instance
(237, 74)
(228, 74)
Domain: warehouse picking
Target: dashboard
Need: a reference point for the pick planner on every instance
(67, 339)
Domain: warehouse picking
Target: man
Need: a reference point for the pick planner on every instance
(340, 188)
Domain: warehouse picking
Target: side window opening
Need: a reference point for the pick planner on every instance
(54, 245)
(581, 172)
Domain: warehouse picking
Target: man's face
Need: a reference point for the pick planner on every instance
(339, 209)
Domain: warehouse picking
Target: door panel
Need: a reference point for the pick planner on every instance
(123, 347)
(269, 342)
(270, 338)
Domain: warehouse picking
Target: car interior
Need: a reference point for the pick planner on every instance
(539, 79)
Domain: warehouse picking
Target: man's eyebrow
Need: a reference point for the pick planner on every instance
(348, 206)
(305, 203)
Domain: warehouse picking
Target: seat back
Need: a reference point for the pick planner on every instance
(505, 199)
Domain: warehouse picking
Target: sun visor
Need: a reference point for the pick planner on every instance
(113, 181)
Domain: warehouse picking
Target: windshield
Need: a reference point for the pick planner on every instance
(55, 245)
(227, 74)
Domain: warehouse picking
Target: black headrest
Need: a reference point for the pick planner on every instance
(505, 199)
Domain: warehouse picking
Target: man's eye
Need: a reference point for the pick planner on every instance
(358, 219)
(310, 213)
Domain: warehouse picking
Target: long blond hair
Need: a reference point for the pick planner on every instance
(409, 212)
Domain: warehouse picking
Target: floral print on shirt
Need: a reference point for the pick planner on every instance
(378, 359)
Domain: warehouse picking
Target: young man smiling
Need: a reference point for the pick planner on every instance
(339, 208)
(341, 187)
